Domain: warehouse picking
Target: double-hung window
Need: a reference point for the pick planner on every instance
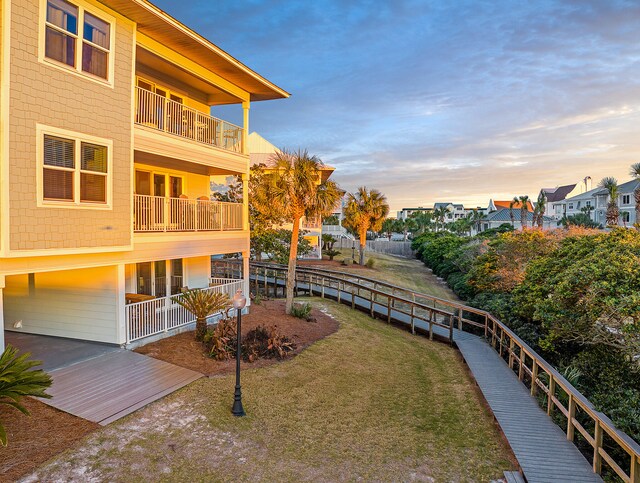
(75, 170)
(78, 39)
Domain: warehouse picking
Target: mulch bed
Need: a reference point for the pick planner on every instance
(36, 438)
(183, 350)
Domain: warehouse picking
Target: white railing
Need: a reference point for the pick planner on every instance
(157, 213)
(158, 112)
(152, 317)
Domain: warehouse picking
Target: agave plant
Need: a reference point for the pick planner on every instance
(202, 304)
(17, 380)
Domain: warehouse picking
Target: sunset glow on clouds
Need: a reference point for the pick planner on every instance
(442, 101)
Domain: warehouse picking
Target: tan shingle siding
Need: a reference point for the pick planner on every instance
(43, 94)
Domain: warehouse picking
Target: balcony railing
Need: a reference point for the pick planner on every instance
(157, 213)
(164, 314)
(158, 112)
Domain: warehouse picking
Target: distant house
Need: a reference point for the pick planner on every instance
(555, 196)
(262, 152)
(595, 203)
(455, 211)
(495, 205)
(405, 213)
(503, 215)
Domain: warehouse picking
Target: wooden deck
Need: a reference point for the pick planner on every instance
(541, 448)
(110, 386)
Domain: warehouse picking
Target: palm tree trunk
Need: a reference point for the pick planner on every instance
(201, 329)
(636, 195)
(363, 244)
(291, 274)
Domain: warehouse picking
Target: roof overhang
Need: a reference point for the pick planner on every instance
(162, 27)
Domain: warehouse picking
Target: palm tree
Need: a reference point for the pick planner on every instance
(365, 210)
(420, 220)
(613, 213)
(538, 214)
(202, 304)
(635, 172)
(511, 205)
(477, 217)
(293, 189)
(17, 380)
(439, 215)
(524, 208)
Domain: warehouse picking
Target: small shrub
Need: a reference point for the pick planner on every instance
(347, 261)
(257, 298)
(17, 379)
(266, 342)
(220, 342)
(370, 263)
(331, 253)
(302, 311)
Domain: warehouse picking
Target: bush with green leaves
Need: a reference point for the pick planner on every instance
(302, 311)
(202, 304)
(17, 380)
(370, 263)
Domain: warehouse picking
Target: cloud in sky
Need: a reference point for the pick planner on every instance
(442, 101)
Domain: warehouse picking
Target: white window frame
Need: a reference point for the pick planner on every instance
(77, 69)
(79, 138)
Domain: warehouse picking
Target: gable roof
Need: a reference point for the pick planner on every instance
(507, 204)
(558, 193)
(503, 215)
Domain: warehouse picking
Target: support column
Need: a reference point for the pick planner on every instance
(245, 201)
(245, 276)
(2, 285)
(121, 319)
(245, 125)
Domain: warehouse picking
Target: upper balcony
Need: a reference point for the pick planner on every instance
(171, 116)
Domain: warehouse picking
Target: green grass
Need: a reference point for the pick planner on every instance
(369, 402)
(403, 272)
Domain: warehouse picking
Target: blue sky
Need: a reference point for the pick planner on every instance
(441, 101)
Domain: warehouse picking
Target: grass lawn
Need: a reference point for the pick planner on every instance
(404, 272)
(368, 402)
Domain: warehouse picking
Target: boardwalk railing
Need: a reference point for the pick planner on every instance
(160, 214)
(163, 314)
(163, 114)
(611, 448)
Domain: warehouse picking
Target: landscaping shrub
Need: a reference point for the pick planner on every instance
(347, 261)
(266, 342)
(17, 379)
(370, 263)
(220, 343)
(302, 311)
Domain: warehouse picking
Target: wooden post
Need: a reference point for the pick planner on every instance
(493, 335)
(534, 378)
(430, 329)
(266, 288)
(322, 289)
(501, 341)
(511, 355)
(451, 329)
(413, 326)
(571, 415)
(551, 394)
(634, 474)
(339, 291)
(486, 326)
(597, 444)
(388, 309)
(521, 369)
(353, 298)
(460, 319)
(371, 297)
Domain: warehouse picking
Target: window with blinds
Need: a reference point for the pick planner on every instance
(74, 171)
(77, 38)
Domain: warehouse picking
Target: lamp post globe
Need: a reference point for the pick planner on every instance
(239, 302)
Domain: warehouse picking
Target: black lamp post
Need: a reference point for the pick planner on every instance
(239, 301)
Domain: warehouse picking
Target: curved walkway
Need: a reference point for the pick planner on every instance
(541, 448)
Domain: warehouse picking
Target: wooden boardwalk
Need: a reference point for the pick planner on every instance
(541, 448)
(112, 385)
